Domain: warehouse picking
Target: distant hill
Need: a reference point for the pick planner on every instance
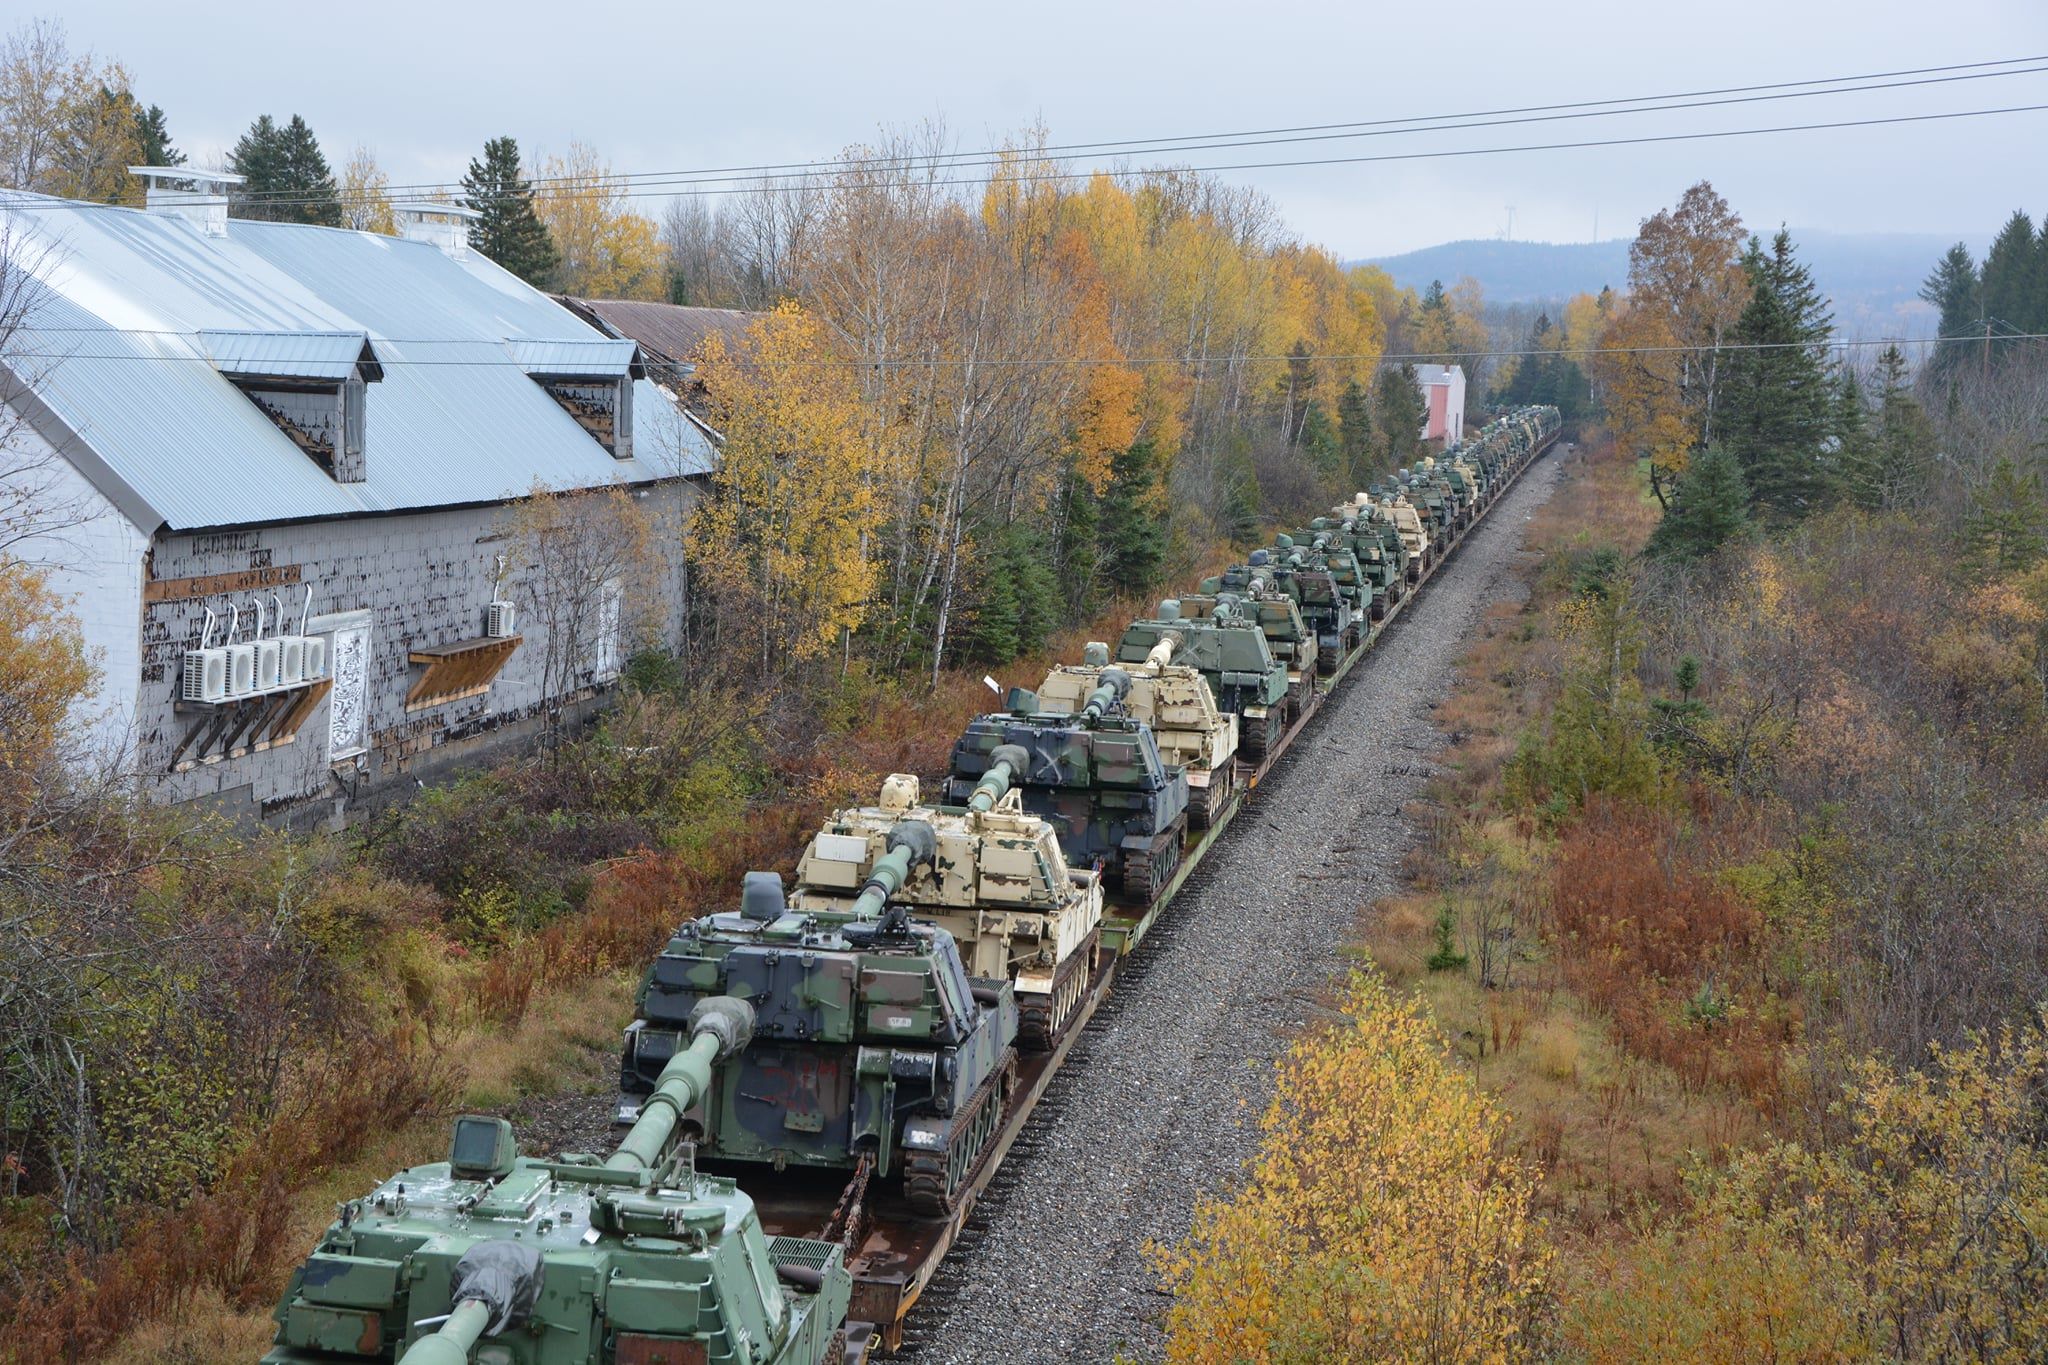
(1872, 277)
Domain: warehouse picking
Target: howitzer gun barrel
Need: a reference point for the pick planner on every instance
(1115, 685)
(911, 844)
(1009, 763)
(452, 1344)
(1159, 655)
(719, 1026)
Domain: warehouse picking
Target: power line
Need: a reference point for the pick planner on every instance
(745, 179)
(926, 362)
(1305, 132)
(44, 204)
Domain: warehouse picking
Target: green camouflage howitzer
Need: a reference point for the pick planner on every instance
(1257, 590)
(1174, 699)
(1000, 885)
(871, 1043)
(1326, 608)
(1368, 528)
(1096, 775)
(1231, 652)
(491, 1256)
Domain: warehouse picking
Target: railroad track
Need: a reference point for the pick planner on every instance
(917, 1335)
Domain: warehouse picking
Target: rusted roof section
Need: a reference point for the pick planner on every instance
(669, 333)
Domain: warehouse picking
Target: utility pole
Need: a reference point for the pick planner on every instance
(1984, 368)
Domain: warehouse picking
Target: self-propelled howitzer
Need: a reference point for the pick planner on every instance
(872, 1046)
(1172, 697)
(1234, 658)
(1096, 775)
(495, 1257)
(999, 884)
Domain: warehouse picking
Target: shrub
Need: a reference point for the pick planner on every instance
(1382, 1219)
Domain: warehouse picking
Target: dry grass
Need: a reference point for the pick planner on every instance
(1613, 1132)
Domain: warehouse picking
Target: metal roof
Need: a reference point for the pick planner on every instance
(122, 357)
(331, 356)
(584, 358)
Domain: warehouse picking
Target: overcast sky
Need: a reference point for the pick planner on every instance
(670, 86)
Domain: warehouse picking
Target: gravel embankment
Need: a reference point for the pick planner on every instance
(1160, 1099)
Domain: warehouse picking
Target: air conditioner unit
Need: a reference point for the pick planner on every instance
(291, 660)
(241, 669)
(502, 621)
(205, 675)
(268, 661)
(316, 658)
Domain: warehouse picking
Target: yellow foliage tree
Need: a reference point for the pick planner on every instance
(1383, 1219)
(1638, 369)
(783, 542)
(608, 251)
(43, 670)
(1918, 1237)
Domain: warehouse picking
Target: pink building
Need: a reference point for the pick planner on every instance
(1443, 393)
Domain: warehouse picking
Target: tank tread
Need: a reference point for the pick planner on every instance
(1207, 803)
(1147, 874)
(932, 1181)
(1043, 1019)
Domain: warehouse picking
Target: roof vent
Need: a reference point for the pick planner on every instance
(443, 225)
(183, 192)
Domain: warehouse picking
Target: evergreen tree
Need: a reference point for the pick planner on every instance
(153, 138)
(1075, 551)
(1711, 508)
(509, 232)
(1319, 445)
(1131, 537)
(1775, 398)
(2005, 529)
(1355, 437)
(1855, 448)
(1399, 414)
(1905, 435)
(287, 179)
(2009, 285)
(1952, 287)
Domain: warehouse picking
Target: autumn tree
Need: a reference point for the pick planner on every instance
(69, 125)
(41, 499)
(365, 194)
(286, 176)
(607, 250)
(783, 545)
(1685, 272)
(1382, 1218)
(1640, 369)
(509, 232)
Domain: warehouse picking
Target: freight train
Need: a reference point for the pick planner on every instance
(853, 1054)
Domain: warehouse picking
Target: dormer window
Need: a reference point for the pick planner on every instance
(311, 385)
(592, 378)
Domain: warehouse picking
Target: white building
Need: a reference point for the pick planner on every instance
(309, 438)
(1443, 393)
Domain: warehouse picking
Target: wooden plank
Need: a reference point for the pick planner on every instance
(458, 671)
(295, 716)
(212, 585)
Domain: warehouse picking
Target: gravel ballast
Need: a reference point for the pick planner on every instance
(1160, 1099)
